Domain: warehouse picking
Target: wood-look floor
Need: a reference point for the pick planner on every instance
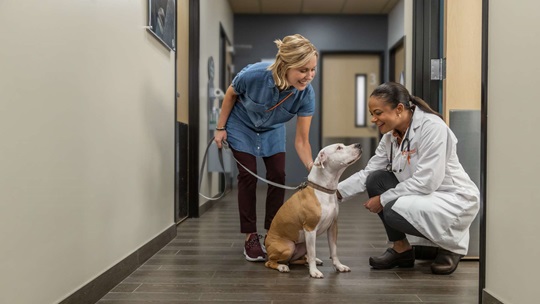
(205, 264)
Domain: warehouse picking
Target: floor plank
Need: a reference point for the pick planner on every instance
(204, 264)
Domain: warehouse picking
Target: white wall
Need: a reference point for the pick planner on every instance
(212, 14)
(396, 23)
(400, 25)
(86, 152)
(512, 199)
(408, 29)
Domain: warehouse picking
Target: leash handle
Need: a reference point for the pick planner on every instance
(220, 157)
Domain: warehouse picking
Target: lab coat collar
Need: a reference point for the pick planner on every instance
(418, 116)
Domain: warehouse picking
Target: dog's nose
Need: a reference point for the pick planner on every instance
(358, 146)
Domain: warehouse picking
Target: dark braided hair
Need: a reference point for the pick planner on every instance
(395, 93)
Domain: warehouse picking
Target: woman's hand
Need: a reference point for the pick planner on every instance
(301, 141)
(219, 137)
(374, 204)
(226, 107)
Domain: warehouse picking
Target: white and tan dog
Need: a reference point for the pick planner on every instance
(310, 212)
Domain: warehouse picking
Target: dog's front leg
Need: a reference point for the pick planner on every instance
(311, 238)
(332, 243)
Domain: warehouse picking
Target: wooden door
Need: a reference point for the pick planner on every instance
(342, 100)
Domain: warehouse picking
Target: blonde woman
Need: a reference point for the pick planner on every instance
(258, 103)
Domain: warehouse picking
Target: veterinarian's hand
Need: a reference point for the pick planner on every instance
(339, 197)
(374, 204)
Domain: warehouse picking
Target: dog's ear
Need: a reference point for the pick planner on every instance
(320, 160)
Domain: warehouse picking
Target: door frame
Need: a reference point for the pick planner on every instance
(193, 120)
(483, 149)
(419, 84)
(392, 60)
(427, 45)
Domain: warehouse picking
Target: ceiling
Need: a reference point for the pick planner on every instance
(333, 7)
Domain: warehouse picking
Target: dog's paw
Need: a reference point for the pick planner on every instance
(283, 268)
(342, 268)
(315, 273)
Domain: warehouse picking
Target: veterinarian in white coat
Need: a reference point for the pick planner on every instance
(415, 181)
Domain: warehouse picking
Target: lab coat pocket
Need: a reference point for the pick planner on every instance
(405, 164)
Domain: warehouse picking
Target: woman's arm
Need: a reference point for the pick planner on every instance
(226, 107)
(356, 183)
(301, 142)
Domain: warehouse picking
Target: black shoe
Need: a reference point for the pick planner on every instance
(446, 262)
(390, 259)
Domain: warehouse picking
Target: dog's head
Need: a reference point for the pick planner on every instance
(335, 158)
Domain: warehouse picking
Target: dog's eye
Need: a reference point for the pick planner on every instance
(339, 147)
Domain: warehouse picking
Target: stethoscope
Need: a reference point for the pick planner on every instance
(405, 141)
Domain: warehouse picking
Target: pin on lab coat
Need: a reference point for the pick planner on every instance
(434, 193)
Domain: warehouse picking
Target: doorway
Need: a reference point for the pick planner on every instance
(347, 81)
(397, 62)
(419, 47)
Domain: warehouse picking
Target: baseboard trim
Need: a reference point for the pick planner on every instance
(206, 206)
(100, 286)
(487, 298)
(209, 204)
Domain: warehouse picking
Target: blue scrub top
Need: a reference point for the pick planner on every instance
(250, 128)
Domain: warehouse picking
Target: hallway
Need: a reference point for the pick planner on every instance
(204, 264)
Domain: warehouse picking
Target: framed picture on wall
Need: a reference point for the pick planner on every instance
(162, 21)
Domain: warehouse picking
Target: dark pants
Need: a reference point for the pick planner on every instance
(395, 225)
(247, 189)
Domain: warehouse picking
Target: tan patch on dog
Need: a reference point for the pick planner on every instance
(301, 212)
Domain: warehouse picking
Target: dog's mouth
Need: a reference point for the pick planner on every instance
(354, 160)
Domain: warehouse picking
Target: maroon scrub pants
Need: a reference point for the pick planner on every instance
(247, 189)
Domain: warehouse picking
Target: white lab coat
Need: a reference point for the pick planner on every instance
(434, 193)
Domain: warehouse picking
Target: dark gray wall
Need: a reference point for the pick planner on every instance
(254, 37)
